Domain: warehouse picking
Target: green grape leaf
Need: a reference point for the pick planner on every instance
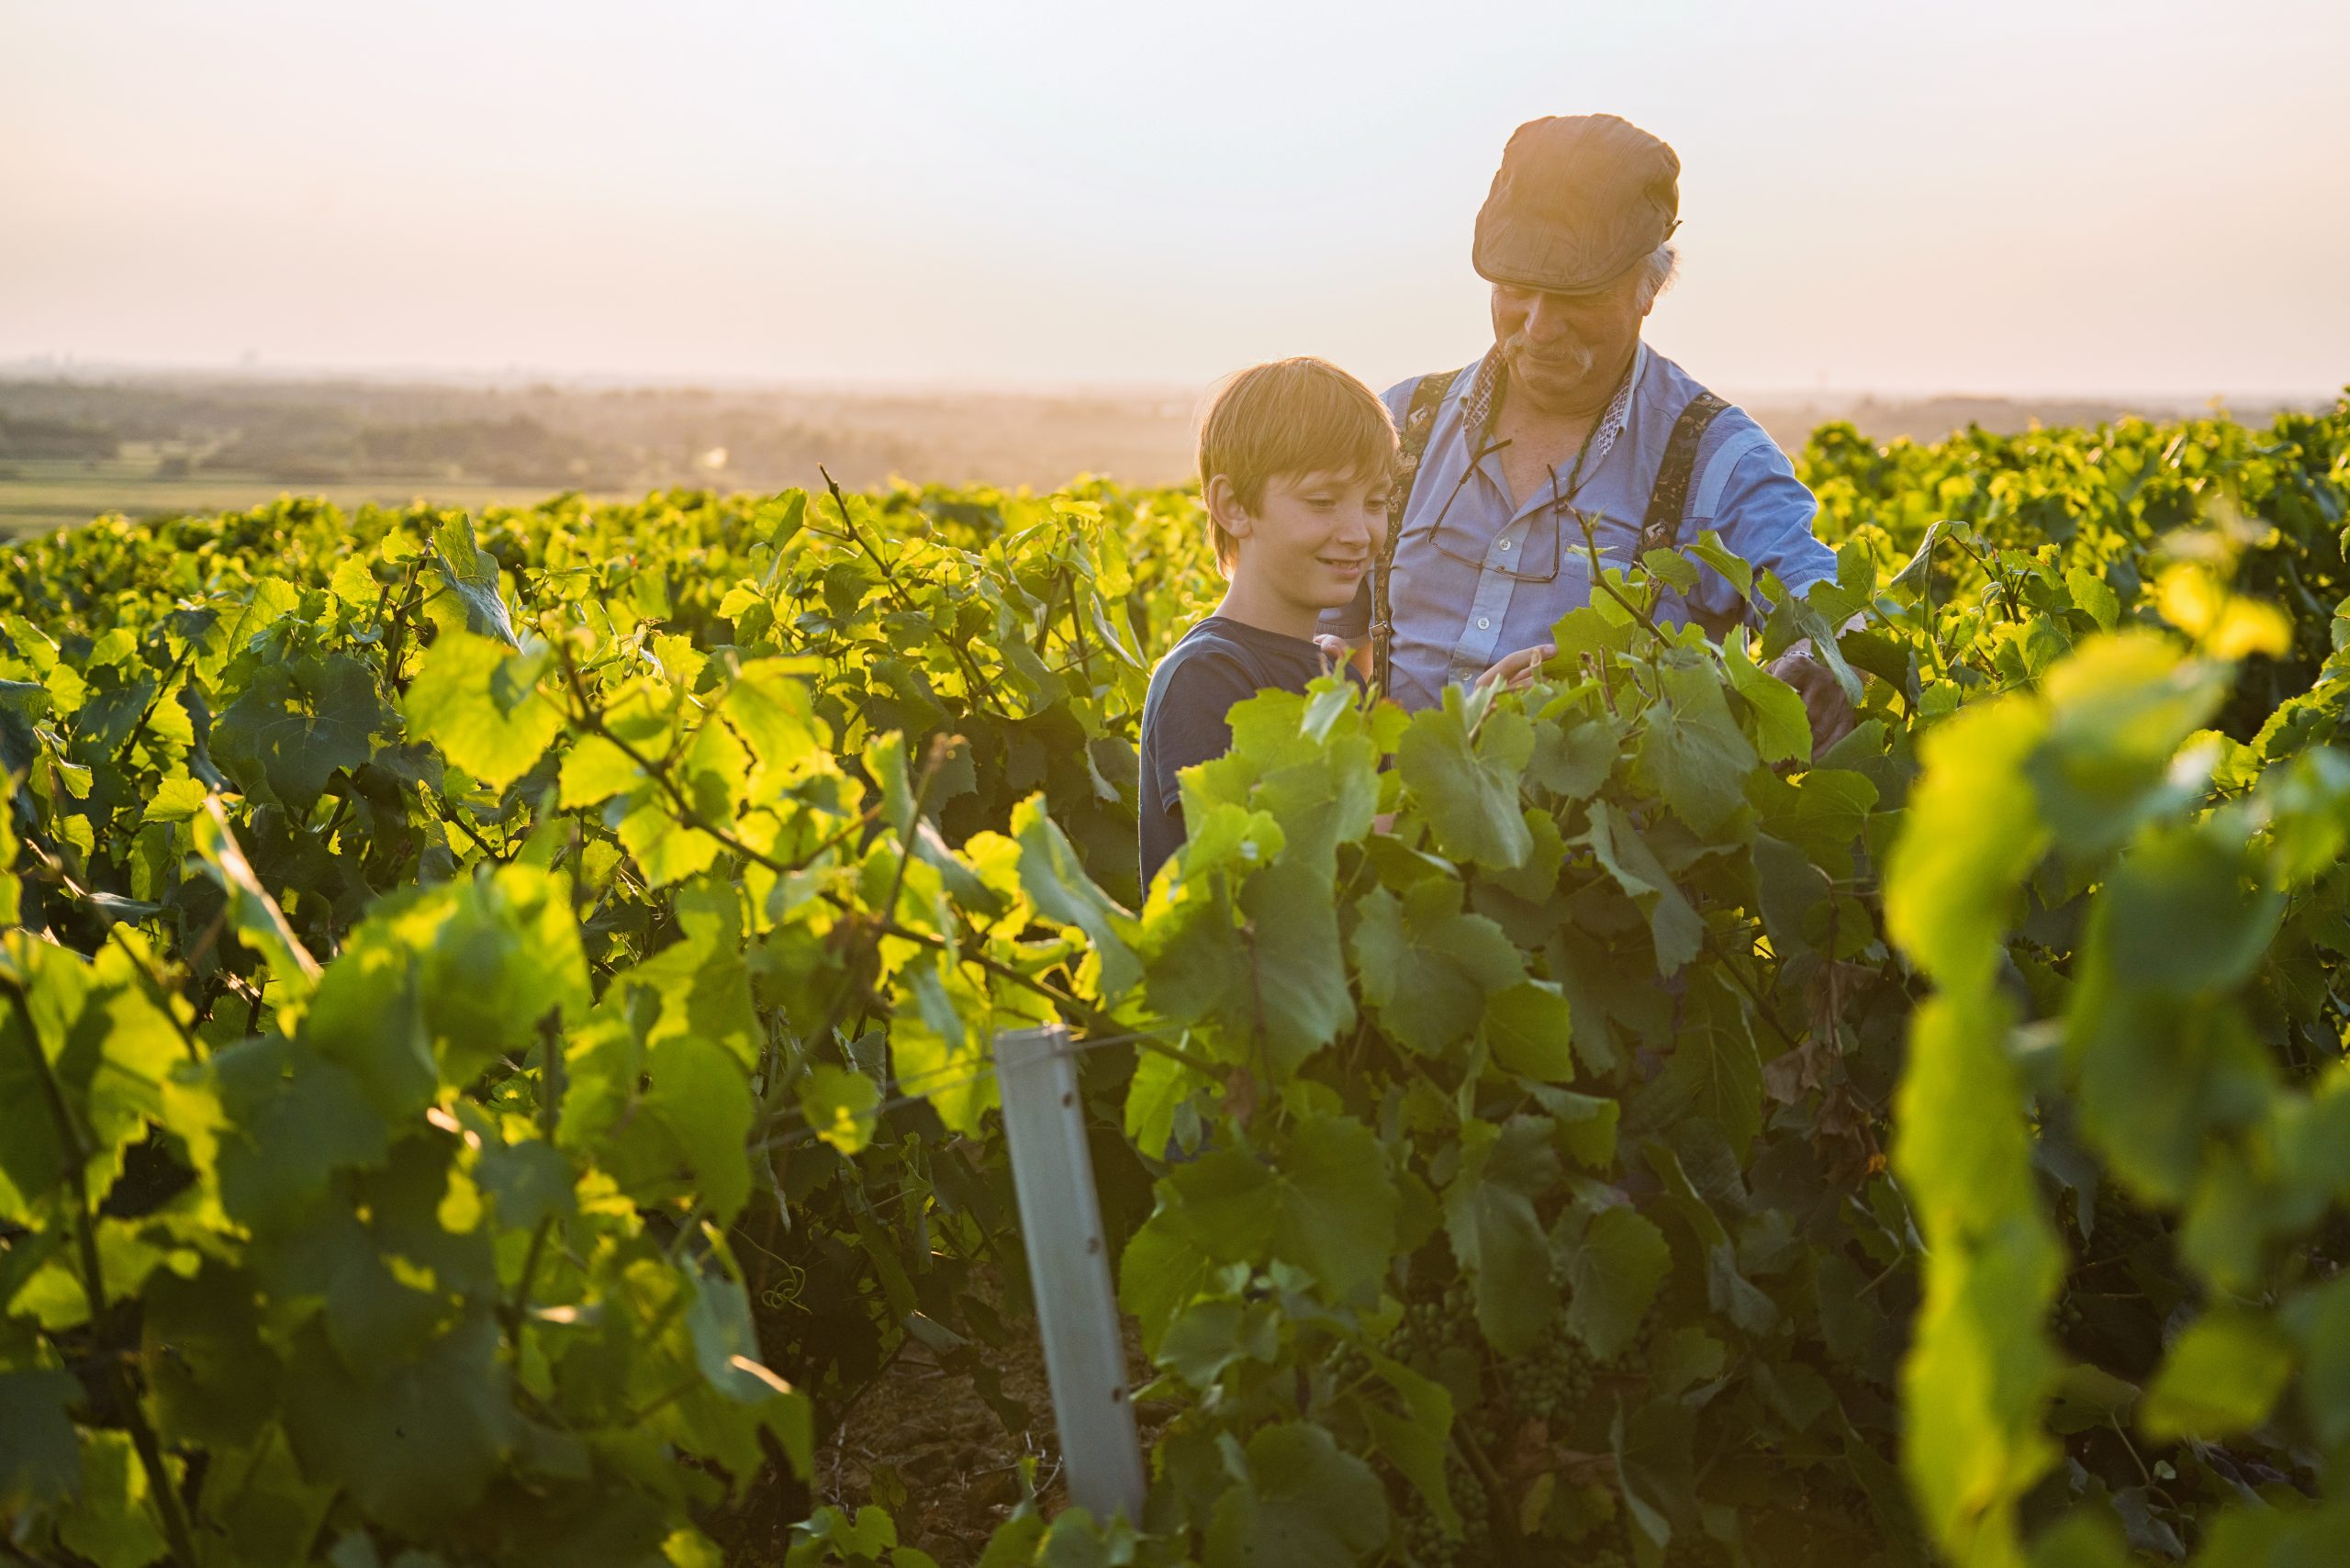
(482, 707)
(1426, 966)
(419, 1444)
(1298, 1500)
(1572, 757)
(1714, 1074)
(504, 957)
(176, 800)
(368, 1015)
(255, 916)
(470, 573)
(1464, 779)
(1414, 1442)
(1489, 1218)
(704, 989)
(1529, 1027)
(1782, 728)
(839, 1103)
(1674, 927)
(593, 770)
(2222, 1377)
(1672, 569)
(1162, 1269)
(1329, 1207)
(769, 707)
(726, 1352)
(2118, 712)
(1974, 1382)
(1055, 883)
(1974, 831)
(1210, 1336)
(40, 1460)
(700, 1093)
(1692, 752)
(2320, 1317)
(2094, 597)
(663, 850)
(1161, 1086)
(2164, 1058)
(294, 724)
(1911, 580)
(531, 1182)
(1265, 963)
(112, 1522)
(941, 1044)
(298, 1119)
(1710, 549)
(215, 1384)
(1655, 1473)
(1613, 1273)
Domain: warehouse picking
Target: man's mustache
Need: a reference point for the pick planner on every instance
(1575, 361)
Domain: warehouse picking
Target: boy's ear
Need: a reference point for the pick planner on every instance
(1223, 505)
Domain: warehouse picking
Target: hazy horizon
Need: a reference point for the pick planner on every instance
(522, 377)
(2039, 201)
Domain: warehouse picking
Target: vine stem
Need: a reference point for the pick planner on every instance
(1599, 580)
(78, 1154)
(550, 1113)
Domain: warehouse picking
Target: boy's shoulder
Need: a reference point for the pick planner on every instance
(1210, 652)
(1224, 660)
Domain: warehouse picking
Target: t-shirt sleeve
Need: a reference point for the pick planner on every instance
(1190, 726)
(1763, 514)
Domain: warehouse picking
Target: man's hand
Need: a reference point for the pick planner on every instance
(1517, 671)
(1824, 702)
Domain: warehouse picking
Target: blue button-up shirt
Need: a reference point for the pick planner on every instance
(1454, 619)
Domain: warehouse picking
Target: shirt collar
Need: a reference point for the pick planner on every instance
(1484, 400)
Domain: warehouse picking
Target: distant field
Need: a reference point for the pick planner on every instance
(71, 449)
(57, 493)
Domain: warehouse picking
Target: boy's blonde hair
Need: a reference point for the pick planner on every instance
(1290, 416)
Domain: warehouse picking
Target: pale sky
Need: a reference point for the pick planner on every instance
(2002, 197)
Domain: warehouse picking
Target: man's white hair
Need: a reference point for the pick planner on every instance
(1656, 272)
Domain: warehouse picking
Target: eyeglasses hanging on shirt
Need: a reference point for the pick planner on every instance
(1559, 505)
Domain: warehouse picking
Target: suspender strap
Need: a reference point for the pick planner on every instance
(1661, 530)
(1419, 419)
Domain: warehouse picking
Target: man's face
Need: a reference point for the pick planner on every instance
(1309, 537)
(1565, 350)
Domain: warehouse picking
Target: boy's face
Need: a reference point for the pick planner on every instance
(1310, 537)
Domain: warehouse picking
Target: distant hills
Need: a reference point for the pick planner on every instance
(324, 433)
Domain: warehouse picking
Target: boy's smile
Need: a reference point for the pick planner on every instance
(1304, 547)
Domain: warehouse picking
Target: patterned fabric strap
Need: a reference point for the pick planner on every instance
(1661, 530)
(1419, 419)
(1669, 498)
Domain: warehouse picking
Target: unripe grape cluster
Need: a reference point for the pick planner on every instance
(1424, 1538)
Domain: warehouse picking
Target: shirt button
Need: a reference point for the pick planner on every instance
(1483, 624)
(1504, 543)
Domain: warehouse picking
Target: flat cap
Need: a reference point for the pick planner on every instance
(1577, 201)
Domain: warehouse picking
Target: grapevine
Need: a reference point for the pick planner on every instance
(493, 1058)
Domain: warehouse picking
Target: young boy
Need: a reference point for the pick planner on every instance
(1296, 459)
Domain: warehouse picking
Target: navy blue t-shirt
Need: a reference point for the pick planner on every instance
(1218, 662)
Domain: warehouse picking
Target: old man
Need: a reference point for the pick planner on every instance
(1570, 421)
